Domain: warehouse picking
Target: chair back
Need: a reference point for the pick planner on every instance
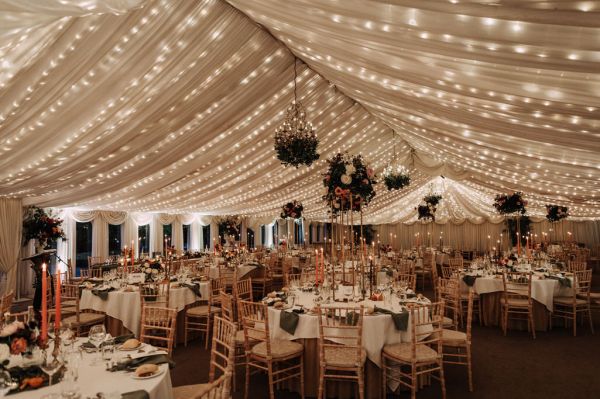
(470, 313)
(94, 260)
(427, 321)
(155, 294)
(6, 302)
(408, 280)
(243, 289)
(405, 266)
(228, 276)
(575, 266)
(582, 283)
(219, 389)
(255, 322)
(227, 311)
(341, 328)
(517, 285)
(216, 286)
(456, 263)
(448, 292)
(222, 349)
(307, 276)
(448, 272)
(290, 279)
(158, 327)
(95, 272)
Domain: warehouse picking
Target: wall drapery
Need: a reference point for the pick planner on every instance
(11, 226)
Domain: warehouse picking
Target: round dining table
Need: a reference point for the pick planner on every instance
(94, 378)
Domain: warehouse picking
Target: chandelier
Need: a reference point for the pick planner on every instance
(395, 174)
(295, 139)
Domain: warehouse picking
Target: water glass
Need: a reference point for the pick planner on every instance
(69, 386)
(108, 350)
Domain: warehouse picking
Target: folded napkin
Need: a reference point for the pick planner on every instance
(400, 319)
(134, 363)
(352, 318)
(288, 321)
(194, 287)
(469, 280)
(565, 282)
(139, 394)
(102, 294)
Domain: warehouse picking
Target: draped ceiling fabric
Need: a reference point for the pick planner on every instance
(171, 106)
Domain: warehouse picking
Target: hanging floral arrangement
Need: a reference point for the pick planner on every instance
(41, 226)
(509, 204)
(428, 208)
(229, 226)
(292, 210)
(554, 213)
(295, 139)
(396, 180)
(348, 183)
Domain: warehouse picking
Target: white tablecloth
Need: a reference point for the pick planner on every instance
(378, 330)
(126, 306)
(94, 379)
(542, 290)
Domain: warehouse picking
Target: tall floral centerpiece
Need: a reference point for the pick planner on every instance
(292, 210)
(229, 227)
(428, 207)
(348, 183)
(41, 226)
(512, 205)
(556, 213)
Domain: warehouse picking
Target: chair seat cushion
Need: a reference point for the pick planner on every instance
(201, 310)
(280, 348)
(454, 338)
(344, 357)
(403, 352)
(190, 391)
(448, 322)
(261, 280)
(516, 302)
(568, 300)
(594, 295)
(239, 337)
(84, 318)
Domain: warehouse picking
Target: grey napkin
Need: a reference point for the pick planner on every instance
(102, 294)
(288, 321)
(134, 363)
(469, 280)
(565, 282)
(194, 287)
(400, 319)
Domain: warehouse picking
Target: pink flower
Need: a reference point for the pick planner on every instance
(370, 173)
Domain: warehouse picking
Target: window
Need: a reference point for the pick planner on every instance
(310, 234)
(263, 235)
(206, 236)
(114, 239)
(144, 239)
(298, 233)
(167, 237)
(83, 245)
(250, 238)
(274, 233)
(186, 237)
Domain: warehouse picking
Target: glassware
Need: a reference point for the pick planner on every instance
(97, 335)
(108, 350)
(69, 387)
(6, 383)
(50, 365)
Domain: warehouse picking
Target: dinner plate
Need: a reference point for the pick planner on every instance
(159, 372)
(120, 347)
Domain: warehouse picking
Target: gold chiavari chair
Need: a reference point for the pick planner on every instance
(568, 307)
(81, 321)
(263, 283)
(229, 276)
(428, 271)
(405, 266)
(307, 276)
(456, 263)
(84, 274)
(516, 299)
(457, 344)
(341, 355)
(6, 302)
(221, 361)
(158, 327)
(409, 280)
(448, 272)
(95, 272)
(282, 359)
(292, 278)
(94, 260)
(243, 289)
(228, 313)
(448, 291)
(423, 354)
(155, 294)
(198, 316)
(575, 266)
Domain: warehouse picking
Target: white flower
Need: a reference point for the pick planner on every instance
(4, 352)
(346, 179)
(148, 270)
(154, 271)
(146, 264)
(350, 169)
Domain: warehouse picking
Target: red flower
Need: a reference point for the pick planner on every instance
(18, 346)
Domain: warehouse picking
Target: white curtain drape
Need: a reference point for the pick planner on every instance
(11, 226)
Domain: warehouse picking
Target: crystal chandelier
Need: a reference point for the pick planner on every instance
(395, 174)
(295, 139)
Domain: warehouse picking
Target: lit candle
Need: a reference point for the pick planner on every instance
(57, 312)
(44, 304)
(322, 272)
(317, 265)
(125, 259)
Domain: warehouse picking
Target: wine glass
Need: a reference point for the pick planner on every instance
(6, 383)
(97, 335)
(50, 365)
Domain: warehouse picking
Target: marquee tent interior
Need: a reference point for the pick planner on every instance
(156, 112)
